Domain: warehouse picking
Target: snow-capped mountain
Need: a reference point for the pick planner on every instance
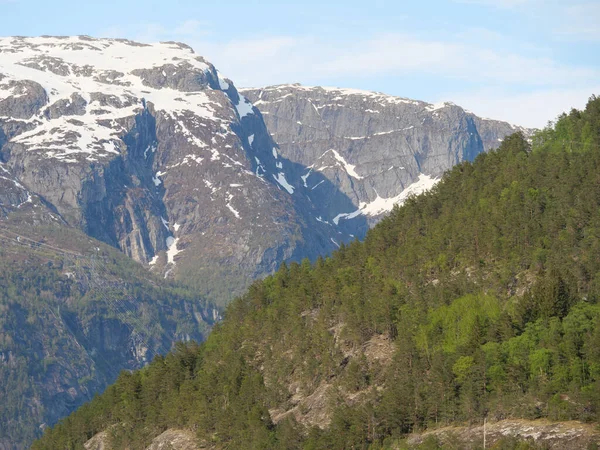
(148, 148)
(375, 149)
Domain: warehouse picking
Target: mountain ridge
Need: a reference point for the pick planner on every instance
(375, 148)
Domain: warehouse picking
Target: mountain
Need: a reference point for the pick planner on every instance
(149, 149)
(74, 312)
(375, 149)
(479, 299)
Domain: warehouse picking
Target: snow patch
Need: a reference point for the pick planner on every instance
(280, 178)
(349, 168)
(224, 85)
(244, 107)
(382, 205)
(172, 250)
(230, 207)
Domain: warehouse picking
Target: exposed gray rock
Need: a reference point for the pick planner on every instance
(371, 147)
(75, 106)
(161, 159)
(27, 98)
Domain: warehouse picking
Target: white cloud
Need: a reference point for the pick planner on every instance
(492, 65)
(530, 109)
(569, 19)
(580, 21)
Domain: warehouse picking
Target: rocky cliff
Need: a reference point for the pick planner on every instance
(147, 148)
(374, 149)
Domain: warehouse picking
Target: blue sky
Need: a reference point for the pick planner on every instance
(524, 61)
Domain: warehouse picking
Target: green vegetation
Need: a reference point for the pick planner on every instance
(69, 321)
(487, 288)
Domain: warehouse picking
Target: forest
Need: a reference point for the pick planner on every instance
(486, 290)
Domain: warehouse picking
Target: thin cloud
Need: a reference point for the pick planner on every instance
(499, 71)
(529, 109)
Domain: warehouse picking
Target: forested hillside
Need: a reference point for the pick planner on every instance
(477, 299)
(73, 314)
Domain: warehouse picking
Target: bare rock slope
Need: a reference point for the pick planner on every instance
(375, 149)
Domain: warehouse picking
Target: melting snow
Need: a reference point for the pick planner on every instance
(231, 208)
(305, 177)
(97, 66)
(172, 250)
(157, 181)
(224, 85)
(349, 168)
(280, 178)
(244, 107)
(436, 106)
(317, 185)
(382, 205)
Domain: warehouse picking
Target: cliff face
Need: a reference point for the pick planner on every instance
(148, 149)
(374, 149)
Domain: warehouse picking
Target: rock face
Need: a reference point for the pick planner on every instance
(374, 149)
(148, 149)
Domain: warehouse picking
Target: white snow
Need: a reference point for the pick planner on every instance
(382, 205)
(172, 250)
(157, 181)
(250, 140)
(305, 177)
(259, 166)
(349, 168)
(339, 93)
(332, 240)
(317, 185)
(275, 154)
(436, 106)
(103, 66)
(176, 227)
(244, 107)
(230, 207)
(164, 222)
(224, 85)
(153, 260)
(280, 178)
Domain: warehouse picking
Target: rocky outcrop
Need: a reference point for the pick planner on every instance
(374, 149)
(169, 440)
